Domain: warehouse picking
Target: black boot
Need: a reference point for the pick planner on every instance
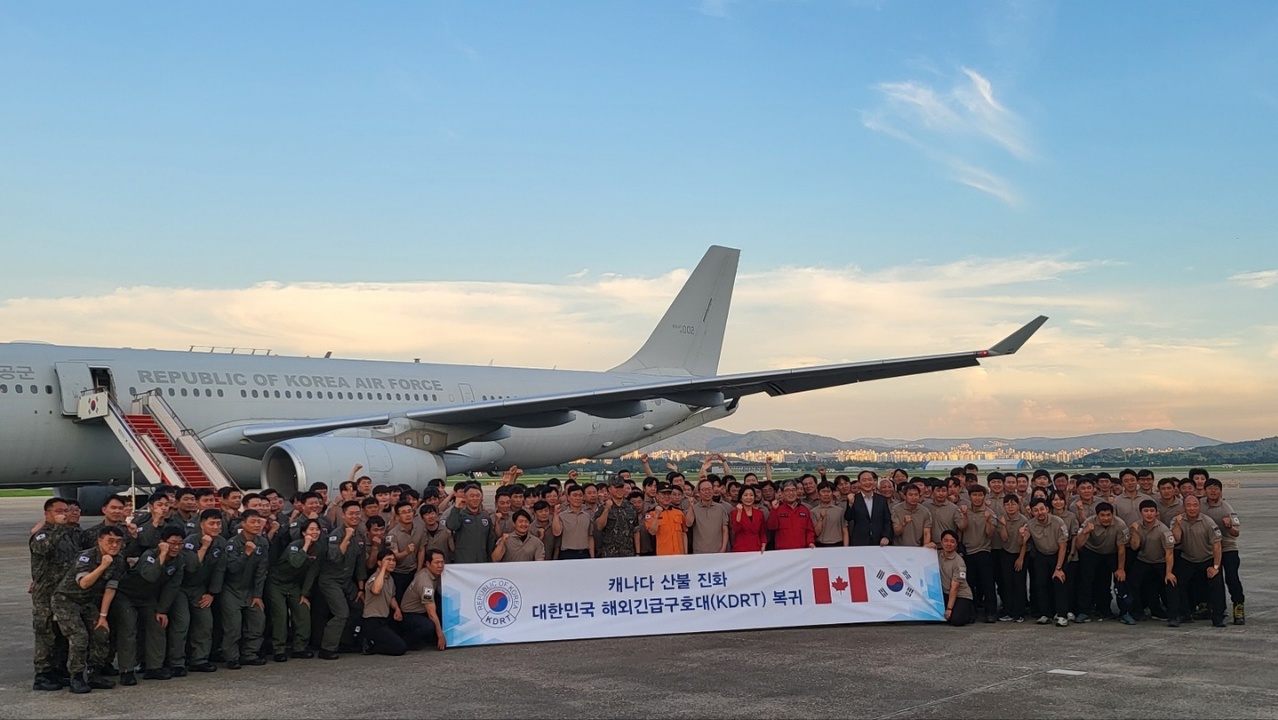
(97, 682)
(79, 684)
(45, 683)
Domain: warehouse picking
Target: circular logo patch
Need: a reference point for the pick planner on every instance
(497, 602)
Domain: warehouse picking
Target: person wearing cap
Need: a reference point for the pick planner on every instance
(617, 523)
(667, 524)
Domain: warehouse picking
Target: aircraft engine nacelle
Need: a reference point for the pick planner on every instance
(293, 465)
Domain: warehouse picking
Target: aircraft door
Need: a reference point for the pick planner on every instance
(73, 379)
(467, 394)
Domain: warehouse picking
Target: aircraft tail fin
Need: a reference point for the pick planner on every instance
(690, 335)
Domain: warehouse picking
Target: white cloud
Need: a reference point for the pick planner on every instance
(713, 8)
(953, 127)
(1259, 280)
(1093, 367)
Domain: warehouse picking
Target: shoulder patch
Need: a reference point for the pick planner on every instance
(294, 548)
(84, 558)
(190, 546)
(150, 559)
(332, 538)
(41, 536)
(170, 569)
(1171, 539)
(428, 593)
(216, 552)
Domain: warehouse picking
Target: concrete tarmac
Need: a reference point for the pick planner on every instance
(1096, 670)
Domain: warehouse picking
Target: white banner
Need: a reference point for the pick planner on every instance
(571, 599)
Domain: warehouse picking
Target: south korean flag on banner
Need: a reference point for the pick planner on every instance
(891, 582)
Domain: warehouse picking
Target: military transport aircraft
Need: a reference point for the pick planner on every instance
(78, 417)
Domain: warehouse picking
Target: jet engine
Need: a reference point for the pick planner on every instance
(294, 465)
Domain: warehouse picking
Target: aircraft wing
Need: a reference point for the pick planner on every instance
(619, 401)
(715, 390)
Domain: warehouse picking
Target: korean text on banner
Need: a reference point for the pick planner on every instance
(572, 599)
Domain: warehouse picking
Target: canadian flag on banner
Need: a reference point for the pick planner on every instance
(850, 588)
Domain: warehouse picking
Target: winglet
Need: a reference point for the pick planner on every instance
(1013, 342)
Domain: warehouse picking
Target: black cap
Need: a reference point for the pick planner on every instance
(664, 487)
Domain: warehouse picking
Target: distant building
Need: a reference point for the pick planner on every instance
(1001, 464)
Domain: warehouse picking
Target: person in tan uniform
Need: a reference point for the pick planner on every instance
(1102, 559)
(519, 544)
(1200, 558)
(1215, 507)
(959, 610)
(911, 522)
(1013, 533)
(1154, 543)
(1048, 539)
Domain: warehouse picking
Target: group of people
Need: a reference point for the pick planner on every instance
(200, 577)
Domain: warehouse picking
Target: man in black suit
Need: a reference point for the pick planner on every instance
(869, 519)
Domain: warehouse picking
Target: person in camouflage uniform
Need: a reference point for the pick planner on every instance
(53, 548)
(618, 523)
(80, 606)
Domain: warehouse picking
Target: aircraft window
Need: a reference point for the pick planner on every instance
(35, 390)
(17, 388)
(254, 393)
(361, 396)
(172, 392)
(4, 389)
(277, 393)
(308, 394)
(434, 397)
(133, 390)
(379, 396)
(183, 392)
(219, 392)
(243, 393)
(48, 389)
(330, 394)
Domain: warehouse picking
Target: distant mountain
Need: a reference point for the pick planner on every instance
(1239, 453)
(707, 439)
(1157, 439)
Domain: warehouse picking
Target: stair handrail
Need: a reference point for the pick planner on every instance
(121, 425)
(186, 437)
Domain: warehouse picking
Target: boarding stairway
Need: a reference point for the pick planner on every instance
(160, 445)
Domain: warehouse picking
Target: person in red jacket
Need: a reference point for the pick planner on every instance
(749, 527)
(791, 522)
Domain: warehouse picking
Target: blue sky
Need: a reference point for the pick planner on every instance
(1116, 159)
